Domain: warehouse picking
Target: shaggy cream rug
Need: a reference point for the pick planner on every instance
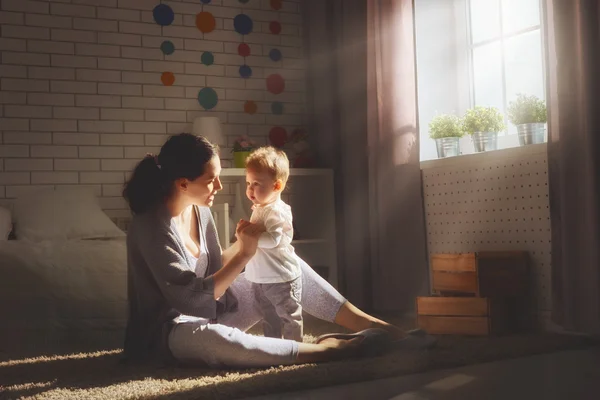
(99, 375)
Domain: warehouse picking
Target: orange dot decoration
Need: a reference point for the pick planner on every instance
(250, 107)
(276, 4)
(205, 22)
(167, 78)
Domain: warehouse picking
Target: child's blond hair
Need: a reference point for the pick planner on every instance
(270, 160)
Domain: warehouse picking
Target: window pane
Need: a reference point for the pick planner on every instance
(485, 20)
(487, 74)
(523, 66)
(520, 14)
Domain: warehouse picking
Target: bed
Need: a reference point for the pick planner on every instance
(63, 283)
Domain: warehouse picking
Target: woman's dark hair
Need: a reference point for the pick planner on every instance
(182, 156)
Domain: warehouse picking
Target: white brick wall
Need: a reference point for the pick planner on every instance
(81, 99)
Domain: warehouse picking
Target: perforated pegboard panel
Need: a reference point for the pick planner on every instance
(492, 204)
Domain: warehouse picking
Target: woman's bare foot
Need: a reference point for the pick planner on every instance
(357, 320)
(394, 331)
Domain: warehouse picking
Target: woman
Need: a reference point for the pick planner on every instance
(187, 300)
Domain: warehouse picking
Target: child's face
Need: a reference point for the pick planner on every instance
(261, 188)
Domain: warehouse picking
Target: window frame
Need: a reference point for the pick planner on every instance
(502, 39)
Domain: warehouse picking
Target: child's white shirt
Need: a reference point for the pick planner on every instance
(275, 260)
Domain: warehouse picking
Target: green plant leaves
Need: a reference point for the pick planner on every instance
(527, 110)
(482, 119)
(446, 125)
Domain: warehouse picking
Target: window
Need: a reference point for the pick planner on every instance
(476, 52)
(505, 47)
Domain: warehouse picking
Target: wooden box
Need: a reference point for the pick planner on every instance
(483, 274)
(464, 316)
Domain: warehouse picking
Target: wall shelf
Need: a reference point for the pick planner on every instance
(293, 172)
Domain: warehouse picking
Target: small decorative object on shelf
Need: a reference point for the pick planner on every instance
(446, 130)
(242, 148)
(528, 114)
(483, 124)
(303, 155)
(210, 128)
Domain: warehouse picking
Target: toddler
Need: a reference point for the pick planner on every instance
(275, 268)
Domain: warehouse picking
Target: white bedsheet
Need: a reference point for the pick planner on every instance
(63, 284)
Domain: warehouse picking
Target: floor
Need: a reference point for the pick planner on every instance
(572, 375)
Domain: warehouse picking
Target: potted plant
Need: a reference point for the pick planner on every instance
(445, 129)
(242, 147)
(528, 114)
(483, 124)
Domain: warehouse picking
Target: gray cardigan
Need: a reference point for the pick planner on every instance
(162, 283)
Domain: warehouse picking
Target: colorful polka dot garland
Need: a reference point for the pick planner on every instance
(275, 27)
(250, 107)
(205, 22)
(167, 78)
(276, 5)
(278, 136)
(207, 58)
(245, 71)
(277, 107)
(243, 24)
(163, 15)
(275, 55)
(167, 47)
(243, 50)
(207, 97)
(275, 83)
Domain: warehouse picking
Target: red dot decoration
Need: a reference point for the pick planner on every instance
(275, 27)
(276, 4)
(275, 84)
(278, 136)
(250, 107)
(205, 22)
(167, 78)
(244, 50)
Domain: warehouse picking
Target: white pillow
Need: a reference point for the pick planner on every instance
(5, 223)
(62, 213)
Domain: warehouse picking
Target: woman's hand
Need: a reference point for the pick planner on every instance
(248, 233)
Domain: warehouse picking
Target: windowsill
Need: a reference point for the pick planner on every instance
(485, 156)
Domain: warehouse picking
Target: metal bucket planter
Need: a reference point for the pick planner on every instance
(485, 141)
(447, 147)
(531, 133)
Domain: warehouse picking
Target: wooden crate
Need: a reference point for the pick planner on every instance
(464, 316)
(482, 274)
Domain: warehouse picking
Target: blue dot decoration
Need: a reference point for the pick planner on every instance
(243, 24)
(275, 55)
(277, 107)
(207, 58)
(208, 99)
(205, 1)
(163, 14)
(245, 71)
(167, 47)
